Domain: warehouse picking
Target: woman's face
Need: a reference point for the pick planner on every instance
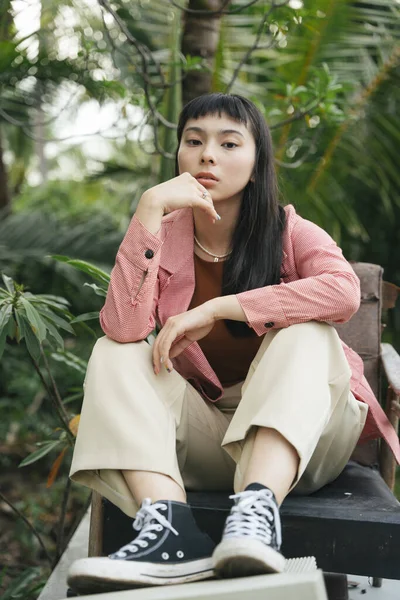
(221, 147)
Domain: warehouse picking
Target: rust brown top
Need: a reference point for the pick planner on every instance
(229, 356)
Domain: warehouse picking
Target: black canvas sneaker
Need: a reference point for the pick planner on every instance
(169, 549)
(252, 536)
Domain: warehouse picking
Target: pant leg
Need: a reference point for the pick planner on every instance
(299, 385)
(135, 420)
(204, 464)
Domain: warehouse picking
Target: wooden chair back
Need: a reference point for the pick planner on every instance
(362, 333)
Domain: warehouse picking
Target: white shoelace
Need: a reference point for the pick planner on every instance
(147, 513)
(253, 515)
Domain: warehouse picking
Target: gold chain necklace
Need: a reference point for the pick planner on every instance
(216, 257)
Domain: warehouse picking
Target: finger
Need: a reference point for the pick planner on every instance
(164, 361)
(156, 356)
(161, 354)
(203, 190)
(205, 194)
(208, 205)
(179, 347)
(167, 339)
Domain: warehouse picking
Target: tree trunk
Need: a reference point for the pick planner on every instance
(6, 20)
(200, 38)
(5, 198)
(6, 27)
(40, 133)
(38, 121)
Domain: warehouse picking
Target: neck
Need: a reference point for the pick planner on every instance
(216, 238)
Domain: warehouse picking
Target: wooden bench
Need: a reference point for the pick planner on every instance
(351, 525)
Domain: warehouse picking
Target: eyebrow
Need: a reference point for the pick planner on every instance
(220, 131)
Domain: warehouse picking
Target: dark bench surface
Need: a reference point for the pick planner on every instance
(359, 493)
(351, 526)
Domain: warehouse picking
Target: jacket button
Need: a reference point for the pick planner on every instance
(149, 254)
(269, 324)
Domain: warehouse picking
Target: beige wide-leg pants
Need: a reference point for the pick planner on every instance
(298, 384)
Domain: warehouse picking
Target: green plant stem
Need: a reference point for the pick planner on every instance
(298, 114)
(60, 532)
(61, 413)
(55, 389)
(31, 527)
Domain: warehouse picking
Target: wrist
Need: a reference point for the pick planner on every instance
(214, 308)
(227, 307)
(150, 202)
(149, 214)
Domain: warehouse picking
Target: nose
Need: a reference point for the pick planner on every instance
(207, 156)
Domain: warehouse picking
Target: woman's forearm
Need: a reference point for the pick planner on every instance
(227, 307)
(149, 213)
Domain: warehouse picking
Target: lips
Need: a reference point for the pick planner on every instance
(206, 175)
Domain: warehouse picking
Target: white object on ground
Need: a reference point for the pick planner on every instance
(279, 586)
(305, 564)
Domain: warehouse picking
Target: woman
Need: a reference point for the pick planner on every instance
(246, 385)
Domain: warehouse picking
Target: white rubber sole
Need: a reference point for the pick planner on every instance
(235, 557)
(104, 574)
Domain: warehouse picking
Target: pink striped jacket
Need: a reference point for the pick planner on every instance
(153, 279)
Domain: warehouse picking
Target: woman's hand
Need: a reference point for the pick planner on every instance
(190, 326)
(180, 192)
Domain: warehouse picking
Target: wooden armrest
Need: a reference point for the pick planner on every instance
(391, 366)
(96, 526)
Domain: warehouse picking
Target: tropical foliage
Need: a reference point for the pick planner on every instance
(324, 73)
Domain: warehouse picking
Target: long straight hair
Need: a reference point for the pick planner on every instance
(256, 257)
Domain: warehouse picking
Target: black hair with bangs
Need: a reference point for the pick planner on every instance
(256, 257)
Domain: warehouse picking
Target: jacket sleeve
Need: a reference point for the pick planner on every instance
(328, 288)
(128, 314)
